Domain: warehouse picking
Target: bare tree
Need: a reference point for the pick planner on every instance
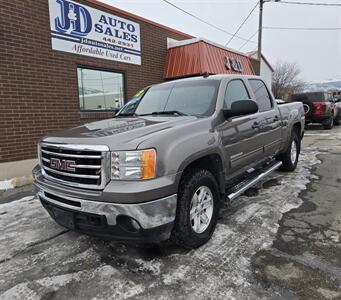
(285, 80)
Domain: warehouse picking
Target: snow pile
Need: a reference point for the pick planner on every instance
(6, 185)
(23, 223)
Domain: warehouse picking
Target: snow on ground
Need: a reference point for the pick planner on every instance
(6, 185)
(327, 136)
(24, 223)
(40, 259)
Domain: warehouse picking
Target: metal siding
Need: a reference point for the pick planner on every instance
(199, 58)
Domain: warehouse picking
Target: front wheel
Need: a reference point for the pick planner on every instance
(337, 120)
(329, 124)
(290, 157)
(197, 209)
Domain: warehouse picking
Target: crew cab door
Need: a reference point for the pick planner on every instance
(269, 118)
(240, 138)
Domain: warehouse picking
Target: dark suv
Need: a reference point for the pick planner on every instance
(319, 107)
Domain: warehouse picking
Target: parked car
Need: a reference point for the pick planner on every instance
(319, 107)
(161, 172)
(337, 119)
(336, 93)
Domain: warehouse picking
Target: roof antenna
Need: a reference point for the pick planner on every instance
(206, 74)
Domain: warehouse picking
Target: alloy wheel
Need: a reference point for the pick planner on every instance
(201, 209)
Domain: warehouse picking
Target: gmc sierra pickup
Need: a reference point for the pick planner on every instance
(160, 169)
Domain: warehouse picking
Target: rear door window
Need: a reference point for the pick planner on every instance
(262, 94)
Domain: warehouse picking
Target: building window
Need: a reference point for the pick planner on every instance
(100, 90)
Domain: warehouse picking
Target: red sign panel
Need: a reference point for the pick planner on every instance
(202, 57)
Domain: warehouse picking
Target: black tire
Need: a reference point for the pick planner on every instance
(329, 124)
(337, 120)
(183, 234)
(287, 164)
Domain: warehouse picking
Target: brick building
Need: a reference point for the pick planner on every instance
(63, 63)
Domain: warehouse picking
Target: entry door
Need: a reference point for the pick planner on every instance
(240, 136)
(270, 119)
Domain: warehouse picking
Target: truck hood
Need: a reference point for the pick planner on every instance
(119, 133)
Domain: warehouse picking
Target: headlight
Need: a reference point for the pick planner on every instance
(132, 165)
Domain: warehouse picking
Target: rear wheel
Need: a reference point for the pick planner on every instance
(290, 157)
(197, 209)
(337, 120)
(329, 124)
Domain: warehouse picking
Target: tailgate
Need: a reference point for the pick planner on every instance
(316, 107)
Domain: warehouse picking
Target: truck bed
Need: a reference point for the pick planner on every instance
(290, 112)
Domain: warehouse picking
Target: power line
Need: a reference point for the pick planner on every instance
(242, 46)
(242, 24)
(303, 28)
(310, 3)
(205, 22)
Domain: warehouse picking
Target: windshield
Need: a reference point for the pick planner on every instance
(195, 98)
(131, 105)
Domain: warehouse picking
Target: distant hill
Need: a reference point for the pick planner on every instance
(324, 85)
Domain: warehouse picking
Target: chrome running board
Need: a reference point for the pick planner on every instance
(240, 188)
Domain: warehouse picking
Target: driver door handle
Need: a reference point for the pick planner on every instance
(276, 118)
(255, 125)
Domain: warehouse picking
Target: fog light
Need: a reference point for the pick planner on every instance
(128, 224)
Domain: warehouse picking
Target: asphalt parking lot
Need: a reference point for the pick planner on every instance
(281, 240)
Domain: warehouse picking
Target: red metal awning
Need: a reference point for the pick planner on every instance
(200, 57)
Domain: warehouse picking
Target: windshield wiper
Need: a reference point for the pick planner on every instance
(166, 112)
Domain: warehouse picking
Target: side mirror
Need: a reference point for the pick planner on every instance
(241, 108)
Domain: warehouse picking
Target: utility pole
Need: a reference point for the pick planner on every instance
(260, 32)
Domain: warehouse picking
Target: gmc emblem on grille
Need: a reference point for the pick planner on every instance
(62, 164)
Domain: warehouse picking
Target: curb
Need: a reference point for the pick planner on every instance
(21, 181)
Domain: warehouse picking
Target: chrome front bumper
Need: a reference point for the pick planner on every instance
(110, 203)
(148, 215)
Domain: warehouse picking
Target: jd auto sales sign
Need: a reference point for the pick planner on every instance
(83, 30)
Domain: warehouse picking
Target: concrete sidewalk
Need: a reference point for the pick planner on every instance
(21, 169)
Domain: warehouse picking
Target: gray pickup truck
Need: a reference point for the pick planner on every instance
(161, 168)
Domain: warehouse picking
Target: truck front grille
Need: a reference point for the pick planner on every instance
(76, 165)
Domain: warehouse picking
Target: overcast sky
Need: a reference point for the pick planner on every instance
(316, 52)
